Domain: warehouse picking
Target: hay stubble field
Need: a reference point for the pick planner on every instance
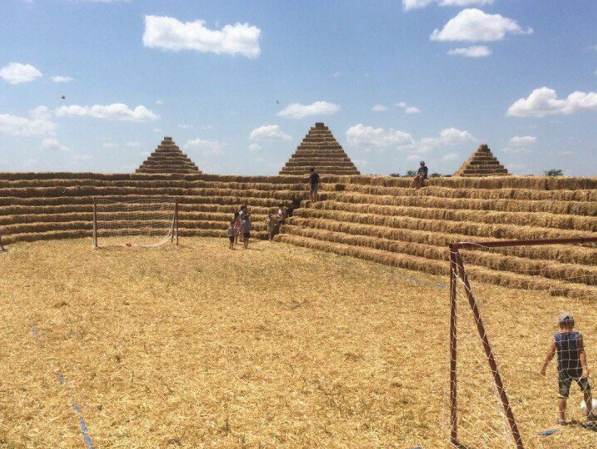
(275, 347)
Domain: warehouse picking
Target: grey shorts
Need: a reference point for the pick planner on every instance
(314, 189)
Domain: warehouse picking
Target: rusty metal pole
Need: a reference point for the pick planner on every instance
(489, 353)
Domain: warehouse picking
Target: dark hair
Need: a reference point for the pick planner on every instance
(232, 223)
(236, 214)
(312, 169)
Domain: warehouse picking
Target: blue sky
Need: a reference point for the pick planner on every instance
(238, 83)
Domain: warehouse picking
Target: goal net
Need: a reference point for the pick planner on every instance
(496, 395)
(142, 222)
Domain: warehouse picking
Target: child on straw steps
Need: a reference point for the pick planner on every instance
(572, 364)
(231, 234)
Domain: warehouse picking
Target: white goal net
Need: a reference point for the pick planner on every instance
(497, 393)
(141, 222)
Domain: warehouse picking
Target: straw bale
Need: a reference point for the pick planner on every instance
(545, 220)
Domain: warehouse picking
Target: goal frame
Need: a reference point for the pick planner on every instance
(173, 237)
(458, 272)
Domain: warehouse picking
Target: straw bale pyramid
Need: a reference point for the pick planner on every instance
(482, 163)
(319, 149)
(168, 158)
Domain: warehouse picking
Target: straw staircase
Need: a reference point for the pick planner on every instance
(42, 206)
(319, 149)
(168, 158)
(384, 220)
(482, 163)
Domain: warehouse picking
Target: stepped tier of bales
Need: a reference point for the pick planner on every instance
(482, 163)
(375, 218)
(46, 206)
(319, 149)
(384, 220)
(168, 158)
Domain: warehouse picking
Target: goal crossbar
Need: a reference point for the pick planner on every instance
(458, 273)
(172, 235)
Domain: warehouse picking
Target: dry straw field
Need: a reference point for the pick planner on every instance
(275, 347)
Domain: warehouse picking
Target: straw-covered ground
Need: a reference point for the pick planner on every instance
(275, 347)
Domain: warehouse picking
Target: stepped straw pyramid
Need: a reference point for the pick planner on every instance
(168, 158)
(482, 163)
(319, 149)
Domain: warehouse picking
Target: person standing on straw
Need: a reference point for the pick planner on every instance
(313, 184)
(246, 224)
(231, 235)
(572, 364)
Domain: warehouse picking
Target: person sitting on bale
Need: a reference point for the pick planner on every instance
(1, 245)
(572, 365)
(419, 180)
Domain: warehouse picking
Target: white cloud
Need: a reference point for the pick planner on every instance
(17, 73)
(544, 101)
(62, 79)
(254, 147)
(171, 34)
(41, 112)
(473, 25)
(132, 144)
(522, 141)
(116, 111)
(412, 110)
(379, 108)
(206, 146)
(413, 157)
(477, 51)
(23, 126)
(453, 136)
(408, 109)
(268, 132)
(417, 4)
(337, 75)
(520, 144)
(298, 111)
(51, 144)
(369, 137)
(183, 126)
(159, 102)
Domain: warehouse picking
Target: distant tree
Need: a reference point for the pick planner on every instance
(395, 175)
(554, 172)
(410, 173)
(435, 175)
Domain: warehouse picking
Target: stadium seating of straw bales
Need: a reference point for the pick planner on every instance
(319, 149)
(481, 163)
(168, 158)
(375, 218)
(384, 220)
(41, 206)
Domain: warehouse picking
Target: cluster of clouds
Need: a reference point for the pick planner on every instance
(544, 102)
(470, 25)
(402, 105)
(299, 111)
(170, 34)
(473, 25)
(369, 138)
(18, 73)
